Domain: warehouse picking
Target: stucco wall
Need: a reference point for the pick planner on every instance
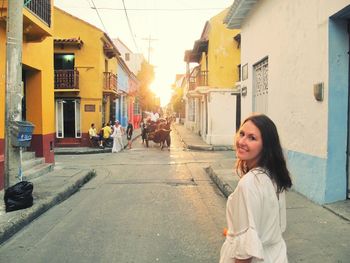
(294, 35)
(223, 54)
(296, 47)
(222, 116)
(89, 61)
(40, 101)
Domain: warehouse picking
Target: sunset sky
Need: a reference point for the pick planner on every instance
(172, 25)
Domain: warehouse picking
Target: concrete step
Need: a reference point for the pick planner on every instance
(28, 156)
(37, 171)
(28, 164)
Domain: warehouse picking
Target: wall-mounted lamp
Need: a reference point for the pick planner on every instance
(318, 91)
(244, 91)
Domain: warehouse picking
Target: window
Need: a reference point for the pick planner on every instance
(137, 109)
(191, 109)
(260, 86)
(239, 72)
(64, 61)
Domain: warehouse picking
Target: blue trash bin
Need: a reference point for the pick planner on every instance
(22, 132)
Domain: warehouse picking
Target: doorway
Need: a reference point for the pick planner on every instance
(68, 118)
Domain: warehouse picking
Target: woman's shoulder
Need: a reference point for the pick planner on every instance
(253, 176)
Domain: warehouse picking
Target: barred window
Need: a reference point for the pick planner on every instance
(260, 86)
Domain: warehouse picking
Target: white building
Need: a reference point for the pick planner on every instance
(211, 97)
(295, 69)
(131, 59)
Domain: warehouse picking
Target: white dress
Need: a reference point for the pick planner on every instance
(256, 219)
(117, 139)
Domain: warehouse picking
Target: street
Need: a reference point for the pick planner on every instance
(160, 206)
(144, 205)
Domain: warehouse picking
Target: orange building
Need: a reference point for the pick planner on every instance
(85, 66)
(37, 77)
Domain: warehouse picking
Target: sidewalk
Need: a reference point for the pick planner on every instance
(50, 189)
(193, 141)
(223, 176)
(93, 150)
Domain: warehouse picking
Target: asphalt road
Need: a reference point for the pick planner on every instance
(144, 205)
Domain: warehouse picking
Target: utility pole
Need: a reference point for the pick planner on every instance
(149, 39)
(13, 92)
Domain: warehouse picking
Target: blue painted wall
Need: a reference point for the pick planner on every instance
(336, 184)
(123, 82)
(308, 175)
(324, 180)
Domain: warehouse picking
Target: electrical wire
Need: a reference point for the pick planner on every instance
(98, 14)
(160, 9)
(130, 29)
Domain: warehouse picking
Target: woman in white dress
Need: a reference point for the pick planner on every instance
(117, 138)
(256, 210)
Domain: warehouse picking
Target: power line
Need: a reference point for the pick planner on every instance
(130, 29)
(149, 39)
(160, 9)
(98, 14)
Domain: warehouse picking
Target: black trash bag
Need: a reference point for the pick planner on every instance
(19, 196)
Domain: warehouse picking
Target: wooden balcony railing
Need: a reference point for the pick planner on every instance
(198, 78)
(67, 79)
(41, 8)
(109, 82)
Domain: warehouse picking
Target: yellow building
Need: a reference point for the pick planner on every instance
(212, 99)
(37, 77)
(85, 64)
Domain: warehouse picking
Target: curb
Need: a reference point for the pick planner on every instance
(223, 187)
(199, 147)
(204, 147)
(94, 151)
(28, 215)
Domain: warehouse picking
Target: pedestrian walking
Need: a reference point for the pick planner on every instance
(117, 138)
(256, 210)
(129, 131)
(143, 131)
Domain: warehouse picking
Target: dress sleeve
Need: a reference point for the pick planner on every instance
(245, 213)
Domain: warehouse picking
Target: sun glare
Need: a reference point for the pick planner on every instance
(163, 92)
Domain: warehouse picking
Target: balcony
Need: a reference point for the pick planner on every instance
(67, 80)
(198, 78)
(41, 8)
(109, 83)
(37, 16)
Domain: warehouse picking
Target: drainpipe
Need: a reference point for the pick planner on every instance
(13, 92)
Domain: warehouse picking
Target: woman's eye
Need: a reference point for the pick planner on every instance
(241, 134)
(252, 138)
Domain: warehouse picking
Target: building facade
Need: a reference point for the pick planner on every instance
(212, 100)
(300, 80)
(37, 78)
(85, 64)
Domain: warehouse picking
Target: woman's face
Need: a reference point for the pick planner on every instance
(249, 144)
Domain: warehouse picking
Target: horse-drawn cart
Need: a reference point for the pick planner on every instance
(158, 132)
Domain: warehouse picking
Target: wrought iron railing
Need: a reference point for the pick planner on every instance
(109, 82)
(67, 79)
(41, 8)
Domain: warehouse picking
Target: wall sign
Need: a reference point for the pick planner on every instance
(89, 108)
